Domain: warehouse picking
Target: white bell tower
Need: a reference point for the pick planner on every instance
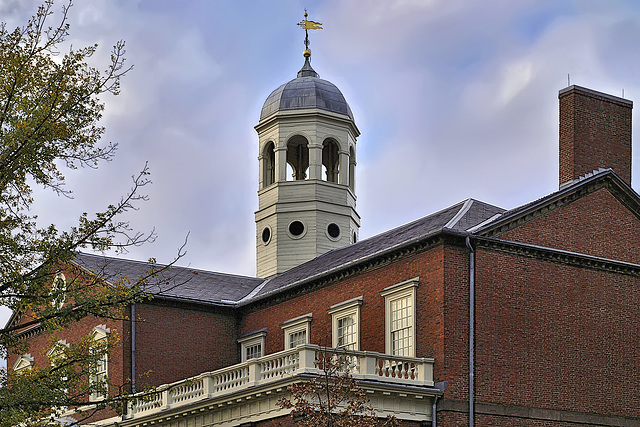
(307, 157)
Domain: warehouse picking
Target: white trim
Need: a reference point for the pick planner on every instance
(483, 223)
(101, 332)
(403, 290)
(463, 210)
(333, 239)
(56, 348)
(266, 227)
(342, 310)
(296, 325)
(59, 286)
(304, 229)
(252, 340)
(24, 362)
(411, 283)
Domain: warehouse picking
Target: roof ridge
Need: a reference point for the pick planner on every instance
(458, 216)
(406, 224)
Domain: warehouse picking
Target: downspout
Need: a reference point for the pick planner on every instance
(434, 418)
(133, 348)
(472, 297)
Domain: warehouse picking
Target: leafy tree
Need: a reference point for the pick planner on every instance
(333, 398)
(50, 109)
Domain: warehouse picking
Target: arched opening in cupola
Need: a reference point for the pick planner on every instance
(269, 164)
(297, 158)
(331, 160)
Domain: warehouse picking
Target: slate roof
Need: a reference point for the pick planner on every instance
(176, 283)
(306, 91)
(459, 217)
(187, 284)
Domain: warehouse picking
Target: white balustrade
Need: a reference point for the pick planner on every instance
(305, 358)
(186, 391)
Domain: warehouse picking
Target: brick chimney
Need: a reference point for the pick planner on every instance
(595, 132)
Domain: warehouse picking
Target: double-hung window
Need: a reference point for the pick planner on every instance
(57, 356)
(252, 345)
(296, 331)
(345, 324)
(100, 372)
(400, 319)
(58, 291)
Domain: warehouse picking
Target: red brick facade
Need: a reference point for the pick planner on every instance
(40, 343)
(427, 265)
(595, 132)
(174, 342)
(557, 336)
(597, 224)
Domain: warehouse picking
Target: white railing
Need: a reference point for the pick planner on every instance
(306, 358)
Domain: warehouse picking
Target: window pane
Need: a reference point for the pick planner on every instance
(254, 351)
(401, 327)
(297, 338)
(347, 332)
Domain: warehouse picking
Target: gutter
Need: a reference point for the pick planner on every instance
(363, 259)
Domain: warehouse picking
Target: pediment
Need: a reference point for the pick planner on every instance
(24, 362)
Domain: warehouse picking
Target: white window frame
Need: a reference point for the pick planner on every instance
(295, 326)
(56, 355)
(406, 289)
(349, 308)
(58, 285)
(24, 362)
(56, 351)
(252, 340)
(101, 332)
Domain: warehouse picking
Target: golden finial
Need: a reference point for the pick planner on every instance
(308, 25)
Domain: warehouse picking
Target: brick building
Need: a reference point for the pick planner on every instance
(473, 315)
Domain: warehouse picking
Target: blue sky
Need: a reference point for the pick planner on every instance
(454, 99)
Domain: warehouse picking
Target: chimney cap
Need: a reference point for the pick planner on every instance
(593, 93)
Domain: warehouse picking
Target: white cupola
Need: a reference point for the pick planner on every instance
(307, 158)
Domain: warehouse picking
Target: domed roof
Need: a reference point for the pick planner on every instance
(306, 91)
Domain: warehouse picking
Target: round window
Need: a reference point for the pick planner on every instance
(266, 235)
(333, 230)
(296, 228)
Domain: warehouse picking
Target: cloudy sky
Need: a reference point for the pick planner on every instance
(454, 99)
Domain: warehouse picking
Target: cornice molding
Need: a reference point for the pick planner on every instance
(361, 267)
(535, 210)
(558, 256)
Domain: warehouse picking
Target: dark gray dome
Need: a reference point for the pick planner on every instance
(306, 91)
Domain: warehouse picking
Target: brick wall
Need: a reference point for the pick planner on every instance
(596, 224)
(174, 342)
(456, 316)
(595, 132)
(430, 324)
(40, 344)
(556, 336)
